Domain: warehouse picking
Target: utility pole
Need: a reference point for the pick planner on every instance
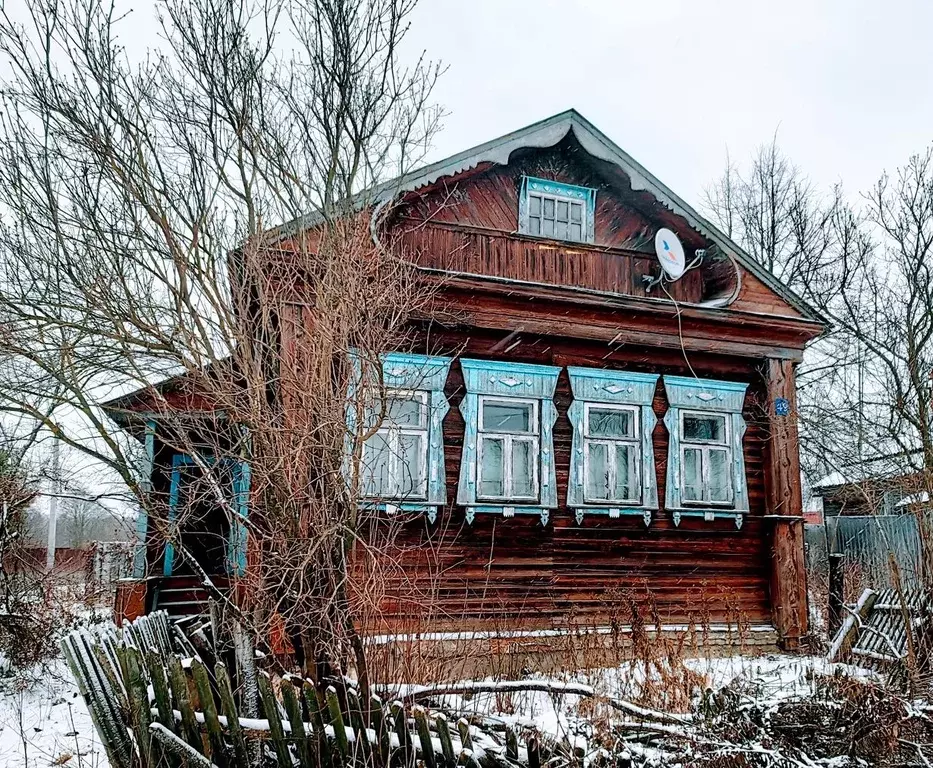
(53, 505)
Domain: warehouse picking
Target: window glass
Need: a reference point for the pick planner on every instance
(508, 445)
(624, 472)
(555, 216)
(611, 422)
(400, 410)
(522, 469)
(707, 476)
(406, 411)
(503, 416)
(597, 472)
(693, 475)
(394, 459)
(412, 462)
(706, 428)
(375, 469)
(492, 468)
(610, 455)
(719, 482)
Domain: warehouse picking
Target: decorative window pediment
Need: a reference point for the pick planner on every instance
(507, 467)
(706, 463)
(612, 460)
(556, 210)
(402, 456)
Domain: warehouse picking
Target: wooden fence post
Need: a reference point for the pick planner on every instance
(836, 591)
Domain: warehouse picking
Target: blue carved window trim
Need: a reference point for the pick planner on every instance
(555, 190)
(704, 396)
(237, 536)
(508, 381)
(619, 389)
(426, 376)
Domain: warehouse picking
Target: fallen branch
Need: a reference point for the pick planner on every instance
(552, 687)
(175, 746)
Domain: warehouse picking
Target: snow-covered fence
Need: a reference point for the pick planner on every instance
(155, 702)
(869, 542)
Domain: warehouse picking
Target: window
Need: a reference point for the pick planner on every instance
(704, 447)
(395, 458)
(508, 450)
(706, 465)
(555, 217)
(401, 465)
(612, 459)
(507, 465)
(610, 453)
(559, 211)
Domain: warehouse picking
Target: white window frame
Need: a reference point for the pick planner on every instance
(393, 436)
(508, 438)
(705, 447)
(612, 444)
(557, 198)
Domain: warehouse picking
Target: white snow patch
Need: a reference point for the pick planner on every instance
(43, 719)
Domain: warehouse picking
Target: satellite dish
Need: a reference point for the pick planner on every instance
(670, 253)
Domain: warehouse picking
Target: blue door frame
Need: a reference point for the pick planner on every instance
(236, 541)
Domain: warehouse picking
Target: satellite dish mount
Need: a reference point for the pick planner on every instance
(670, 253)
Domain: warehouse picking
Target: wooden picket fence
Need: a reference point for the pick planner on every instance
(156, 702)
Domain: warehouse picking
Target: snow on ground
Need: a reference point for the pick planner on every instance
(771, 678)
(44, 722)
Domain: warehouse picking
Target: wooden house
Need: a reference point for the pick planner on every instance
(581, 429)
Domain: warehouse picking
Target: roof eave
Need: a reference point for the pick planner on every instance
(547, 133)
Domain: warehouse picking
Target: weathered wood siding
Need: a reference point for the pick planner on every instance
(515, 572)
(470, 224)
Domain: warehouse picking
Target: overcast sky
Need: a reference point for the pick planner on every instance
(848, 84)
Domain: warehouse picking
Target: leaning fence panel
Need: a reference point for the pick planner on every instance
(157, 701)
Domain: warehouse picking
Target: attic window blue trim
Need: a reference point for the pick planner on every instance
(506, 384)
(595, 390)
(709, 403)
(556, 210)
(421, 378)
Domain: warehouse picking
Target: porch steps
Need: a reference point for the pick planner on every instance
(181, 597)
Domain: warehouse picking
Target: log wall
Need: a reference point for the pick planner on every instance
(516, 573)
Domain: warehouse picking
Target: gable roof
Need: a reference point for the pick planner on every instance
(547, 133)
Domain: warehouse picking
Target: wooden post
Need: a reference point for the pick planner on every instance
(785, 507)
(836, 591)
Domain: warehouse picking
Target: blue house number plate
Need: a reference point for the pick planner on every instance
(781, 406)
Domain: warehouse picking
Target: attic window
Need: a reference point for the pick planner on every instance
(560, 211)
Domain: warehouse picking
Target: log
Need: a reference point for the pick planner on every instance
(175, 746)
(848, 632)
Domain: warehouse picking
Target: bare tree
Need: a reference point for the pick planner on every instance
(774, 211)
(136, 245)
(866, 388)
